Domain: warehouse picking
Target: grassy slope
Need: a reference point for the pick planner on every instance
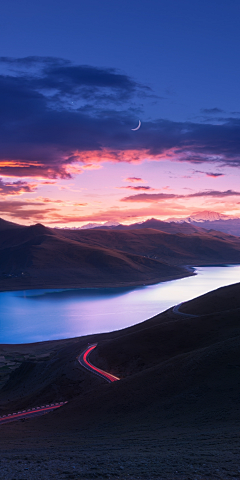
(164, 357)
(176, 406)
(41, 257)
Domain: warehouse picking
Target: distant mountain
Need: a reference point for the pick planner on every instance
(88, 225)
(205, 216)
(208, 216)
(91, 225)
(211, 221)
(153, 223)
(196, 223)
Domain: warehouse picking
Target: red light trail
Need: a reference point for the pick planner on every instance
(83, 360)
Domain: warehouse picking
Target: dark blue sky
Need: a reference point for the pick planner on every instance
(76, 76)
(187, 51)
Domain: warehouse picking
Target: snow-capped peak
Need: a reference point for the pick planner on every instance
(207, 215)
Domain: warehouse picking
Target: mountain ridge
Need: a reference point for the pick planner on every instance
(205, 220)
(43, 257)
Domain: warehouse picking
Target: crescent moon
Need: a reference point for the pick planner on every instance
(139, 125)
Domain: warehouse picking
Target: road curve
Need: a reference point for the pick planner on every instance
(176, 310)
(33, 412)
(83, 360)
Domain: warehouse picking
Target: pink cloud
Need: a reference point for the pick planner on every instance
(16, 188)
(31, 211)
(133, 179)
(138, 187)
(156, 197)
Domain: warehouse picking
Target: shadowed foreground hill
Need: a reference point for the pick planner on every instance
(174, 414)
(40, 257)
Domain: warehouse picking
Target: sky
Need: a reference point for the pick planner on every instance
(77, 76)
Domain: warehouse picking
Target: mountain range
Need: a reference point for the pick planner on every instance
(214, 221)
(207, 220)
(125, 256)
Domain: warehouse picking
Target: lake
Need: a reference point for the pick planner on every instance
(37, 315)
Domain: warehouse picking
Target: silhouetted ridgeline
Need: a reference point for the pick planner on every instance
(41, 257)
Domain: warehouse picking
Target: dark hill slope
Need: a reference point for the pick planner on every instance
(175, 249)
(10, 238)
(4, 225)
(220, 300)
(37, 256)
(174, 369)
(176, 407)
(169, 358)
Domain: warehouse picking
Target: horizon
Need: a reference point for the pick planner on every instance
(197, 217)
(119, 114)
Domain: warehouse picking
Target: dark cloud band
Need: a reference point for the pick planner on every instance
(55, 114)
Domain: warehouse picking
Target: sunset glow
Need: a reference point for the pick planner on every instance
(69, 154)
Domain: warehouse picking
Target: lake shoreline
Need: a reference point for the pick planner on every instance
(189, 271)
(22, 285)
(166, 407)
(67, 313)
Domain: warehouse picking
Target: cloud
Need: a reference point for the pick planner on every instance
(22, 210)
(60, 79)
(149, 197)
(56, 115)
(48, 182)
(138, 187)
(212, 111)
(127, 215)
(214, 175)
(210, 174)
(133, 179)
(16, 188)
(156, 197)
(214, 193)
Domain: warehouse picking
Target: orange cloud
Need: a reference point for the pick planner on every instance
(91, 166)
(111, 155)
(121, 215)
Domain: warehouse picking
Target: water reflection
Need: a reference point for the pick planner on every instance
(37, 315)
(80, 293)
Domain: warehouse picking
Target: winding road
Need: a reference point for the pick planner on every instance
(33, 412)
(37, 411)
(176, 310)
(83, 360)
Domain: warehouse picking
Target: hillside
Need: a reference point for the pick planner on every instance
(41, 257)
(4, 225)
(173, 248)
(175, 408)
